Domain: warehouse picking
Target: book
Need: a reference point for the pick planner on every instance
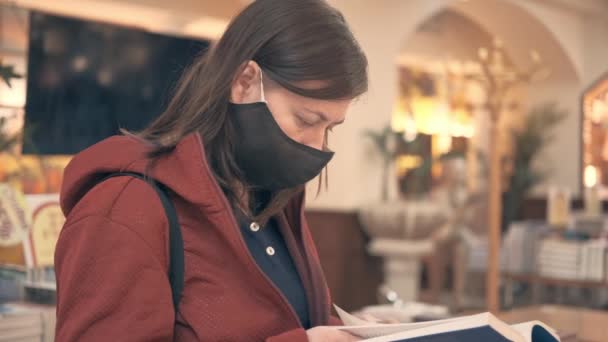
(574, 260)
(21, 321)
(520, 245)
(18, 322)
(407, 312)
(481, 327)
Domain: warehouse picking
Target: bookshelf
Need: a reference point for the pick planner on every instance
(537, 255)
(536, 281)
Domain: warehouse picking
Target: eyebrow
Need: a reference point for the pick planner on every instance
(323, 116)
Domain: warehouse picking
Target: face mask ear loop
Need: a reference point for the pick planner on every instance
(262, 86)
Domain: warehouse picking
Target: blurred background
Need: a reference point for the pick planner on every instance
(473, 176)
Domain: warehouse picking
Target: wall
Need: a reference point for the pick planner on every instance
(205, 19)
(381, 29)
(563, 35)
(583, 34)
(595, 55)
(14, 28)
(577, 26)
(448, 35)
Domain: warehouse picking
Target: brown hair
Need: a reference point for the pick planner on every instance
(292, 41)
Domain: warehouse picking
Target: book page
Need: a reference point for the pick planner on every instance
(349, 319)
(534, 331)
(361, 328)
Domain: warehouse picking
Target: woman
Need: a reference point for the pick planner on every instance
(246, 128)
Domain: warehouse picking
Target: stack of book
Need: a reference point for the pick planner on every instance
(559, 259)
(519, 247)
(26, 323)
(594, 261)
(20, 324)
(477, 252)
(573, 260)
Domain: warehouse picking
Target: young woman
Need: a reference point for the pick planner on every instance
(246, 128)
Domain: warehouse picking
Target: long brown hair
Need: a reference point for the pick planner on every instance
(292, 41)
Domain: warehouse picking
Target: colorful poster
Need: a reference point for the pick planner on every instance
(14, 216)
(47, 221)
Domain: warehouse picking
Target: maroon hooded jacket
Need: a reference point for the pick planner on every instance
(112, 256)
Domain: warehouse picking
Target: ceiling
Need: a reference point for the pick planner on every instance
(224, 9)
(447, 35)
(458, 31)
(196, 18)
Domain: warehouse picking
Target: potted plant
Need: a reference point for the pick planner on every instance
(386, 142)
(528, 142)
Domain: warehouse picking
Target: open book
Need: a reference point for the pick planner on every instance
(481, 327)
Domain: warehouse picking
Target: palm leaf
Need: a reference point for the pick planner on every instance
(528, 142)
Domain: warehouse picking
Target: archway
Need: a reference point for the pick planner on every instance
(382, 30)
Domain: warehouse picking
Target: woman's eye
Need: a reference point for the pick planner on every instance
(303, 123)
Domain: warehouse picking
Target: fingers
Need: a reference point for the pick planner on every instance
(348, 337)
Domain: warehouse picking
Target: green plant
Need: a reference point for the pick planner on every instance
(528, 142)
(7, 142)
(386, 142)
(383, 141)
(7, 73)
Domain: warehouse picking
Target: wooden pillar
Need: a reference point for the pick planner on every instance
(499, 75)
(494, 218)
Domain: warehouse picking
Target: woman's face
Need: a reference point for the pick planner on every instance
(303, 119)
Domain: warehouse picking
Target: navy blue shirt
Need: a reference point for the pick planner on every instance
(268, 248)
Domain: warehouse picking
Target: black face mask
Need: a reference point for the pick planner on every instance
(269, 159)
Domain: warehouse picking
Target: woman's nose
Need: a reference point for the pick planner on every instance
(318, 141)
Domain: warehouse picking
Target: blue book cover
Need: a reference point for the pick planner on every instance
(486, 334)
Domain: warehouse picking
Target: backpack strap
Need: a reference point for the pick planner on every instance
(176, 243)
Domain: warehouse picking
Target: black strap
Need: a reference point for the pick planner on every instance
(176, 243)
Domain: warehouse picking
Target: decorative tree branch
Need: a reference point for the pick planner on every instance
(499, 78)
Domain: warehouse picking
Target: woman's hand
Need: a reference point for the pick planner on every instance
(327, 334)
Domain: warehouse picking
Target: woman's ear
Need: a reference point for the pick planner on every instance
(247, 86)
